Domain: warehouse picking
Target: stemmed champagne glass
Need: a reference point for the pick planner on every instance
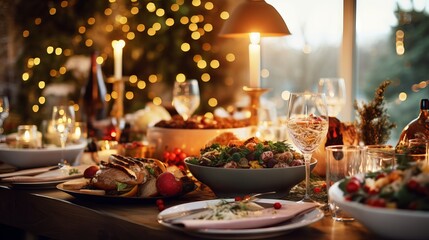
(186, 97)
(335, 91)
(4, 113)
(63, 118)
(307, 127)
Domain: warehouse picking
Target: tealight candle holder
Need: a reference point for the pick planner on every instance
(27, 136)
(255, 102)
(106, 148)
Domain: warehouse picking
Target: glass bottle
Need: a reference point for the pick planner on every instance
(94, 103)
(417, 128)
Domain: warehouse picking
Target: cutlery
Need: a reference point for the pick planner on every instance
(29, 172)
(169, 218)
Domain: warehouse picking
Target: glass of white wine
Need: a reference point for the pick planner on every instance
(335, 91)
(307, 127)
(186, 97)
(63, 119)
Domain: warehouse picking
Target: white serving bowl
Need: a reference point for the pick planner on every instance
(29, 158)
(389, 223)
(189, 140)
(232, 182)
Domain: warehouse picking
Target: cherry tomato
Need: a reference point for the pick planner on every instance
(161, 207)
(177, 151)
(317, 189)
(182, 156)
(277, 205)
(352, 186)
(172, 156)
(166, 155)
(238, 198)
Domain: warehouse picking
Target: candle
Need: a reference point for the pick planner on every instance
(118, 45)
(27, 136)
(254, 59)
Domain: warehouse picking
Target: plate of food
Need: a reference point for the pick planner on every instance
(129, 179)
(228, 219)
(398, 197)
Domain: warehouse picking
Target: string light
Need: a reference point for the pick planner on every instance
(122, 20)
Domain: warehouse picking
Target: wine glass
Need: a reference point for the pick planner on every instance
(186, 97)
(63, 118)
(307, 127)
(335, 91)
(4, 113)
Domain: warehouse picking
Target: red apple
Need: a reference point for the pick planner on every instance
(168, 185)
(90, 171)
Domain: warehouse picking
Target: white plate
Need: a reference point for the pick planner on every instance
(31, 158)
(389, 223)
(251, 233)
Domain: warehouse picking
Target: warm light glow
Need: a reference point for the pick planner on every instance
(151, 32)
(255, 37)
(42, 84)
(402, 96)
(202, 64)
(196, 3)
(114, 94)
(209, 5)
(131, 36)
(169, 22)
(36, 61)
(174, 7)
(58, 51)
(212, 102)
(209, 115)
(160, 12)
(108, 11)
(156, 26)
(91, 21)
(207, 47)
(141, 27)
(141, 84)
(99, 60)
(125, 28)
(88, 42)
(26, 33)
(185, 47)
(133, 79)
(82, 29)
(35, 108)
(37, 21)
(193, 27)
(285, 95)
(50, 50)
(265, 73)
(205, 77)
(214, 64)
(129, 95)
(52, 11)
(195, 35)
(157, 101)
(184, 20)
(134, 10)
(153, 78)
(224, 15)
(42, 100)
(25, 76)
(197, 58)
(208, 27)
(151, 7)
(180, 77)
(230, 57)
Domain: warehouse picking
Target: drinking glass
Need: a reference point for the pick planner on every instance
(4, 112)
(335, 92)
(307, 127)
(186, 97)
(63, 118)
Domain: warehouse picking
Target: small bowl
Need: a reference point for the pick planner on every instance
(39, 157)
(189, 140)
(232, 182)
(388, 223)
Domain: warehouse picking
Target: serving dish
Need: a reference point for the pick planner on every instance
(389, 223)
(30, 158)
(189, 140)
(250, 233)
(232, 182)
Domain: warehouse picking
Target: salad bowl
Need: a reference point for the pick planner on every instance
(386, 222)
(232, 182)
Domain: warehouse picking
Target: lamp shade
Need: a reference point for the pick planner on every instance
(254, 16)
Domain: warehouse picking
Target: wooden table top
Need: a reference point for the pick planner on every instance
(56, 214)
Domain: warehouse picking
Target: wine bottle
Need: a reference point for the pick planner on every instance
(417, 128)
(94, 103)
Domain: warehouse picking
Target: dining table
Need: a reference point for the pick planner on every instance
(55, 214)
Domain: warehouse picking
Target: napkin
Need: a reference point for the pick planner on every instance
(28, 172)
(269, 216)
(46, 176)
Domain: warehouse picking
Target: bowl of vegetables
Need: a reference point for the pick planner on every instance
(251, 166)
(393, 204)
